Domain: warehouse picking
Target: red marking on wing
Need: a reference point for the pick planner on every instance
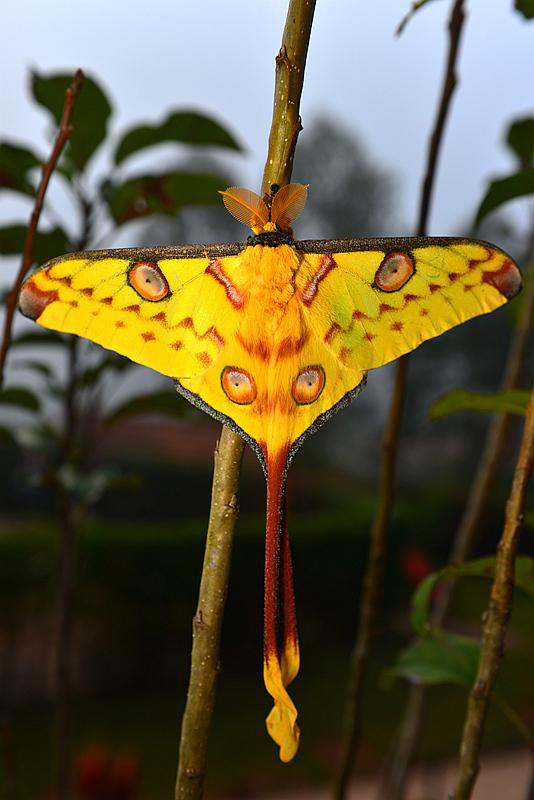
(332, 331)
(148, 336)
(344, 353)
(177, 345)
(119, 324)
(232, 292)
(434, 287)
(258, 349)
(385, 307)
(453, 276)
(475, 262)
(161, 317)
(87, 292)
(424, 312)
(187, 322)
(204, 359)
(107, 301)
(33, 301)
(358, 315)
(290, 346)
(215, 337)
(369, 336)
(397, 326)
(136, 308)
(310, 292)
(507, 279)
(409, 297)
(74, 304)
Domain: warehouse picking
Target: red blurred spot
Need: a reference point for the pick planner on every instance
(415, 565)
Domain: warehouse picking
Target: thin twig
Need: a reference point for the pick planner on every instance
(496, 616)
(290, 65)
(370, 596)
(386, 488)
(63, 135)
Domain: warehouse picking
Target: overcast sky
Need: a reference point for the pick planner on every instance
(218, 56)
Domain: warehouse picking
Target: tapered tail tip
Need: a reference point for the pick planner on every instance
(282, 720)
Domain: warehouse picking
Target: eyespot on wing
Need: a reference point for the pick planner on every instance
(507, 280)
(33, 301)
(146, 278)
(238, 385)
(395, 270)
(308, 385)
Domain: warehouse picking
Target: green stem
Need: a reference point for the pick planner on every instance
(196, 721)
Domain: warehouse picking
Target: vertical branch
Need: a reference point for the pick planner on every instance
(386, 489)
(497, 615)
(370, 596)
(207, 623)
(63, 135)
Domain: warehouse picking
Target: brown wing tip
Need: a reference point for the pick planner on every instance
(507, 280)
(33, 301)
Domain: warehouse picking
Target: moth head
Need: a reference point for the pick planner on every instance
(275, 211)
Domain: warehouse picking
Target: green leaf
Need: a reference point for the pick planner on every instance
(520, 139)
(161, 194)
(19, 397)
(513, 401)
(89, 117)
(503, 190)
(479, 568)
(15, 164)
(46, 245)
(167, 403)
(186, 127)
(525, 7)
(38, 337)
(439, 658)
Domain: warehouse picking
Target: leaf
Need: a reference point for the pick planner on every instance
(113, 362)
(439, 658)
(480, 568)
(167, 403)
(513, 401)
(19, 397)
(525, 7)
(15, 164)
(520, 139)
(187, 127)
(161, 194)
(32, 364)
(46, 245)
(32, 338)
(89, 117)
(503, 190)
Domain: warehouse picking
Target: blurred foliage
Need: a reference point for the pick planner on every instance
(349, 195)
(89, 119)
(514, 401)
(526, 8)
(479, 568)
(520, 140)
(186, 127)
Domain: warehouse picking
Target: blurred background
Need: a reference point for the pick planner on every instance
(101, 453)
